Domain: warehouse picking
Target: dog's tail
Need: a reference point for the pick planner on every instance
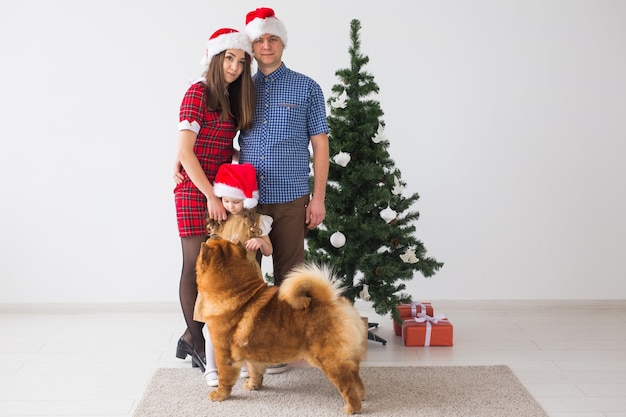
(310, 282)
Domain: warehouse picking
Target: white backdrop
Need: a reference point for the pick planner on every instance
(507, 117)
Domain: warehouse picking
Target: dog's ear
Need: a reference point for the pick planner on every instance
(203, 256)
(204, 249)
(235, 249)
(211, 253)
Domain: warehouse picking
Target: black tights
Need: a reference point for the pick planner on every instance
(188, 292)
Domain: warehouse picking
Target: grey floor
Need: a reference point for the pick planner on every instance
(75, 360)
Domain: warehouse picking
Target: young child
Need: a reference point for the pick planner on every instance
(236, 185)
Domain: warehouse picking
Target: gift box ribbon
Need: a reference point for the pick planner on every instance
(414, 306)
(425, 318)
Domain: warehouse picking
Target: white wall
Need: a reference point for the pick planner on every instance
(507, 117)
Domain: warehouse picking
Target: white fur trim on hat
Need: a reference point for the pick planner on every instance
(257, 26)
(224, 41)
(223, 190)
(237, 181)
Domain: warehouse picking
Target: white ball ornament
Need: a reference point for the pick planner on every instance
(337, 239)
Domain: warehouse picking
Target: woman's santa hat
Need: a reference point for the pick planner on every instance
(223, 39)
(263, 21)
(237, 181)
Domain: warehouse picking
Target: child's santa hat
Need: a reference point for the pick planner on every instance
(237, 181)
(262, 21)
(223, 39)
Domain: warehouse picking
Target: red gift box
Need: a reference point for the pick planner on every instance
(408, 311)
(425, 330)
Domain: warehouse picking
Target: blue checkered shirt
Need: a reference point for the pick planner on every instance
(290, 109)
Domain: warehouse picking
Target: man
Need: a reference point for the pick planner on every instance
(290, 115)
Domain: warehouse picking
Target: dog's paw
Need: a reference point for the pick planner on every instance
(218, 395)
(351, 410)
(252, 383)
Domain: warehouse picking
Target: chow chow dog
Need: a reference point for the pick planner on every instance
(252, 322)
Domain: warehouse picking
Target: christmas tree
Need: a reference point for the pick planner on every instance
(368, 236)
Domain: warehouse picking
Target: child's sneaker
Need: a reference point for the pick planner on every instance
(277, 369)
(211, 378)
(244, 372)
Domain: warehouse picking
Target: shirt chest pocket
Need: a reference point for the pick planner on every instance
(292, 113)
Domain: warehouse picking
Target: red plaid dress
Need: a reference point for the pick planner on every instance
(213, 147)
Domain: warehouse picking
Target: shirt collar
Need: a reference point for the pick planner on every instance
(279, 72)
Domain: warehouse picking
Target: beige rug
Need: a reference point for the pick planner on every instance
(464, 391)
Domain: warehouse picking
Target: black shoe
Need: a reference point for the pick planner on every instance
(183, 349)
(198, 362)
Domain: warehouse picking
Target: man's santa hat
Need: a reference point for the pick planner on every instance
(237, 181)
(263, 21)
(223, 39)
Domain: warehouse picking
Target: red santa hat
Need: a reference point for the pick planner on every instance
(237, 181)
(223, 39)
(263, 21)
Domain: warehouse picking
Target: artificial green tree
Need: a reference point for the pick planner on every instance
(368, 236)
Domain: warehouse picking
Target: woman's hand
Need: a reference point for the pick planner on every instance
(215, 208)
(178, 175)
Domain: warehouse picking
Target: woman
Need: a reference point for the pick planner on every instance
(213, 109)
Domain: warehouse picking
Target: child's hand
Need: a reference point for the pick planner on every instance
(253, 244)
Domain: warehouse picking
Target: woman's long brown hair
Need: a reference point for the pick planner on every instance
(240, 101)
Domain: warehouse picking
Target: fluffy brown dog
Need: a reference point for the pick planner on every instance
(250, 321)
